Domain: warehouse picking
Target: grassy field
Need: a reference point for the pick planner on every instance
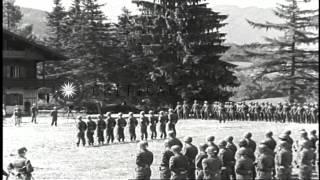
(53, 151)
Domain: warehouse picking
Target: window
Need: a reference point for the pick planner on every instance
(14, 99)
(14, 71)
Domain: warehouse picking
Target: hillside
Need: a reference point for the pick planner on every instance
(37, 18)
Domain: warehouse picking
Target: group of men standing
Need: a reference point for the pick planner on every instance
(106, 126)
(226, 161)
(265, 111)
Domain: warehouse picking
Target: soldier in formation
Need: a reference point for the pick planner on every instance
(21, 167)
(82, 127)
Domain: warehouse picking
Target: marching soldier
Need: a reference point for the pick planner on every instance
(163, 119)
(257, 112)
(228, 161)
(110, 124)
(244, 146)
(178, 164)
(165, 172)
(283, 161)
(251, 111)
(286, 113)
(190, 151)
(244, 165)
(34, 112)
(178, 110)
(143, 161)
(265, 163)
(54, 115)
(233, 148)
(173, 140)
(144, 122)
(82, 127)
(305, 158)
(245, 109)
(173, 119)
(198, 161)
(300, 112)
(133, 122)
(185, 110)
(251, 143)
(205, 111)
(293, 113)
(195, 110)
(90, 132)
(121, 124)
(101, 126)
(270, 142)
(313, 111)
(279, 112)
(232, 111)
(212, 164)
(210, 142)
(153, 125)
(271, 112)
(21, 167)
(285, 137)
(222, 112)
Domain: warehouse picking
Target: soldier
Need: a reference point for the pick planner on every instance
(185, 110)
(198, 161)
(212, 165)
(133, 122)
(244, 146)
(303, 138)
(205, 111)
(210, 142)
(263, 111)
(173, 119)
(195, 110)
(101, 126)
(232, 111)
(293, 113)
(271, 111)
(306, 113)
(284, 137)
(300, 112)
(178, 164)
(313, 138)
(283, 160)
(34, 112)
(257, 112)
(244, 166)
(305, 158)
(265, 163)
(251, 111)
(121, 124)
(163, 121)
(143, 161)
(21, 167)
(245, 109)
(286, 112)
(251, 143)
(17, 114)
(82, 127)
(165, 172)
(54, 115)
(153, 125)
(190, 151)
(270, 142)
(144, 122)
(178, 110)
(278, 112)
(92, 126)
(313, 111)
(231, 146)
(228, 161)
(110, 124)
(222, 113)
(173, 140)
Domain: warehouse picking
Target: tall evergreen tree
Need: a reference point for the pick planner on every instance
(290, 60)
(11, 15)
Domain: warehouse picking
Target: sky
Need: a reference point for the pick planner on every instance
(113, 8)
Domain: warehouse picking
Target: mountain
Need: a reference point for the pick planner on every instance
(237, 29)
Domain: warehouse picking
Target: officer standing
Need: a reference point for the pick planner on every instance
(21, 167)
(165, 172)
(163, 119)
(121, 124)
(101, 126)
(54, 115)
(178, 164)
(92, 126)
(173, 119)
(251, 143)
(144, 122)
(153, 125)
(198, 161)
(228, 161)
(178, 110)
(212, 164)
(190, 151)
(110, 124)
(34, 112)
(133, 122)
(143, 161)
(185, 110)
(305, 158)
(231, 146)
(173, 140)
(283, 161)
(265, 163)
(82, 127)
(244, 165)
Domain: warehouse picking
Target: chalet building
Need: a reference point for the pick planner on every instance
(20, 59)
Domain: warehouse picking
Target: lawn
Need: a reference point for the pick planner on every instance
(53, 151)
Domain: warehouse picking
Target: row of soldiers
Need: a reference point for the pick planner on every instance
(265, 111)
(226, 161)
(109, 124)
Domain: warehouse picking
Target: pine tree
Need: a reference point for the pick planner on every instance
(182, 42)
(290, 59)
(11, 15)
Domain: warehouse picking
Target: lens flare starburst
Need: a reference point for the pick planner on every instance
(68, 89)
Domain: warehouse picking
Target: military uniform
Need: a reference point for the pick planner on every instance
(133, 122)
(90, 132)
(305, 158)
(198, 161)
(190, 151)
(101, 126)
(221, 113)
(54, 115)
(205, 111)
(286, 113)
(153, 126)
(173, 119)
(110, 124)
(143, 161)
(195, 109)
(212, 168)
(34, 111)
(178, 110)
(283, 161)
(178, 165)
(265, 163)
(121, 124)
(228, 161)
(174, 141)
(163, 121)
(244, 166)
(185, 110)
(82, 127)
(233, 148)
(21, 167)
(144, 122)
(165, 172)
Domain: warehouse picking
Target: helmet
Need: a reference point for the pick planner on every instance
(187, 139)
(143, 144)
(223, 143)
(211, 150)
(269, 134)
(176, 148)
(243, 143)
(248, 135)
(229, 139)
(210, 138)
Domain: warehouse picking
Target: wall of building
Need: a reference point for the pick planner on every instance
(29, 95)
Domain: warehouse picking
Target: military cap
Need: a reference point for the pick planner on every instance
(242, 152)
(143, 144)
(176, 148)
(303, 133)
(150, 112)
(283, 136)
(284, 144)
(264, 142)
(313, 132)
(211, 150)
(222, 143)
(248, 135)
(22, 150)
(288, 132)
(210, 138)
(142, 112)
(243, 143)
(187, 139)
(79, 117)
(171, 133)
(203, 146)
(229, 139)
(262, 148)
(269, 133)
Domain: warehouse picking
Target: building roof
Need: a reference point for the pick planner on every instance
(48, 53)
